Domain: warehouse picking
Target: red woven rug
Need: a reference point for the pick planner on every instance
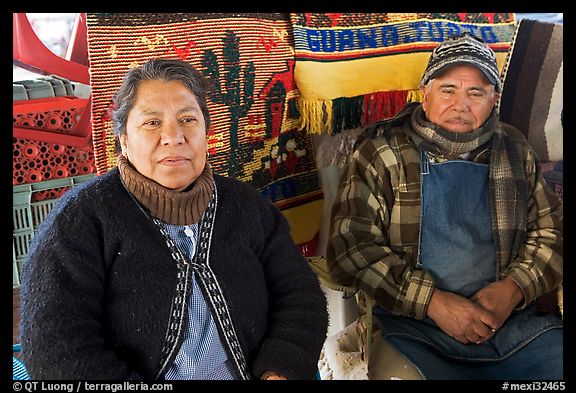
(249, 58)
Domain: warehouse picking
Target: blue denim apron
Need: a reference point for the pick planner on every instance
(457, 248)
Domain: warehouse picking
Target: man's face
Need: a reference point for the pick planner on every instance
(460, 99)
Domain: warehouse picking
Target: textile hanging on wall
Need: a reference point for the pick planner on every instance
(532, 97)
(353, 69)
(249, 59)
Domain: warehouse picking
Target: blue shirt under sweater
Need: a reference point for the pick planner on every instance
(202, 355)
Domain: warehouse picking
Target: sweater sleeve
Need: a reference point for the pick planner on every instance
(298, 318)
(63, 283)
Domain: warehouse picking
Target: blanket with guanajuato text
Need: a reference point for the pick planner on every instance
(356, 68)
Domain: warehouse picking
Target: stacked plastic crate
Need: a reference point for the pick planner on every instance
(51, 154)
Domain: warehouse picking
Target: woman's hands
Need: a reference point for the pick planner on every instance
(272, 375)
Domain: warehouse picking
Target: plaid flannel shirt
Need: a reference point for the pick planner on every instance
(374, 231)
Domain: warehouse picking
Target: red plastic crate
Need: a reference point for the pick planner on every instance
(48, 140)
(35, 161)
(53, 119)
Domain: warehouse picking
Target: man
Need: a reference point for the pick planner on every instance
(444, 219)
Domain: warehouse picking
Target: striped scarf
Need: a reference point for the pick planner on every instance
(508, 185)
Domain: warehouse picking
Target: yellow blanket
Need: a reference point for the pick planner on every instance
(356, 68)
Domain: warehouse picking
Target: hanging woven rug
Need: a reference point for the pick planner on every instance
(353, 69)
(249, 59)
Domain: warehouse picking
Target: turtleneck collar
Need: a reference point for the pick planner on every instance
(174, 207)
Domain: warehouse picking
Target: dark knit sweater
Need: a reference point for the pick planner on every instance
(99, 284)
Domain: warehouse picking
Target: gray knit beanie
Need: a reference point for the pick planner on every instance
(463, 49)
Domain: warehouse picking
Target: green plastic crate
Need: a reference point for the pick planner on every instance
(27, 215)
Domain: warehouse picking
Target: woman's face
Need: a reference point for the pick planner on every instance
(460, 99)
(165, 137)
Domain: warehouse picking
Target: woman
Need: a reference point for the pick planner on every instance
(161, 269)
